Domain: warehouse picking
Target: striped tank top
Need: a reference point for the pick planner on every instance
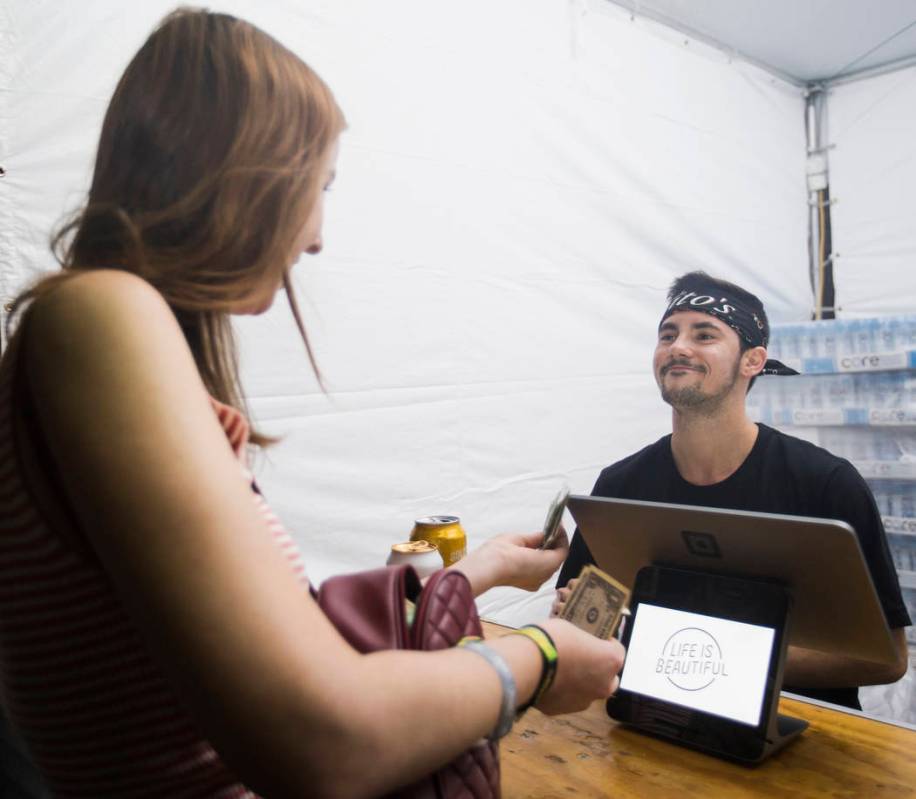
(98, 715)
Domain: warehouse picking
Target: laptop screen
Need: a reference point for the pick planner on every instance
(705, 663)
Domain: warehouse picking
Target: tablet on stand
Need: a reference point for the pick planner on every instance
(705, 656)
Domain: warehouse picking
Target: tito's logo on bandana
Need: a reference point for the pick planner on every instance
(738, 315)
(691, 659)
(702, 302)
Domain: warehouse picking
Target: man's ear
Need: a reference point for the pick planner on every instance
(753, 361)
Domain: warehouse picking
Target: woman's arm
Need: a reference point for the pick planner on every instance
(291, 707)
(513, 559)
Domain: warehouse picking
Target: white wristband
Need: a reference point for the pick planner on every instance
(506, 680)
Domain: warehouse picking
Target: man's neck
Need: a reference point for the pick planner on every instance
(709, 448)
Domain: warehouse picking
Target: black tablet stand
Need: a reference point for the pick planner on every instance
(779, 729)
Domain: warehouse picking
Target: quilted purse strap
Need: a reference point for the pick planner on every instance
(446, 612)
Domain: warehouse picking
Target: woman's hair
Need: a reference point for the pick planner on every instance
(209, 162)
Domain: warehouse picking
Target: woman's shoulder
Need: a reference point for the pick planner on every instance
(104, 335)
(98, 308)
(96, 295)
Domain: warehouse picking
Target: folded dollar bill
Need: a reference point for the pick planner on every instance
(597, 603)
(554, 517)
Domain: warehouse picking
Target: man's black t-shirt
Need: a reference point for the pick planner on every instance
(782, 474)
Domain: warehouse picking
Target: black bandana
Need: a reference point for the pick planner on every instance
(707, 297)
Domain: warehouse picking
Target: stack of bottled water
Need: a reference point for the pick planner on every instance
(863, 398)
(858, 376)
(896, 501)
(830, 339)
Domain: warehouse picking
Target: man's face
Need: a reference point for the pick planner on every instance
(697, 361)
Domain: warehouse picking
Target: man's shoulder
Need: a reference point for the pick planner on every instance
(613, 477)
(797, 455)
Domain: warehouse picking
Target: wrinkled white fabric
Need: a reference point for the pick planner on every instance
(872, 124)
(519, 183)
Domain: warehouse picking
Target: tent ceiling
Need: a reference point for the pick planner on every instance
(801, 40)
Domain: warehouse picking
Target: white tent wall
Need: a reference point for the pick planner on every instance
(519, 183)
(872, 124)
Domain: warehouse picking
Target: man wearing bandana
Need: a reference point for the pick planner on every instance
(711, 348)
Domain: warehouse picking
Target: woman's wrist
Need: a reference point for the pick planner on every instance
(481, 568)
(525, 661)
(508, 702)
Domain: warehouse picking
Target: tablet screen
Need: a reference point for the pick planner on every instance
(706, 663)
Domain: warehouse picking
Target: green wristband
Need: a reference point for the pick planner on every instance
(549, 660)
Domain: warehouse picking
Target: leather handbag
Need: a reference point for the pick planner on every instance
(369, 610)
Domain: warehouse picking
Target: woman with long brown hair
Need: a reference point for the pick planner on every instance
(157, 636)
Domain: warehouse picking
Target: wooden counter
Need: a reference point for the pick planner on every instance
(589, 754)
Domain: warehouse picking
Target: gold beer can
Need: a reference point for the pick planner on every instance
(446, 533)
(422, 555)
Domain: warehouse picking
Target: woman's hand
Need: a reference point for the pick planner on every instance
(587, 668)
(513, 559)
(562, 597)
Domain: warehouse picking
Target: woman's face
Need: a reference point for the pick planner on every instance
(308, 241)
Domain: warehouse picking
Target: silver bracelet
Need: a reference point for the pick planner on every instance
(506, 680)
